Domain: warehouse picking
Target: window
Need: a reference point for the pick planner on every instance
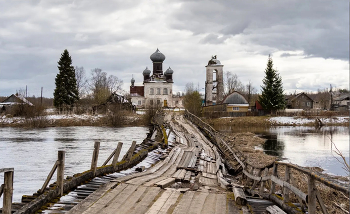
(158, 91)
(165, 91)
(158, 102)
(235, 108)
(151, 92)
(151, 102)
(308, 104)
(139, 102)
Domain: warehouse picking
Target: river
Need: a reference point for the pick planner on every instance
(33, 152)
(304, 145)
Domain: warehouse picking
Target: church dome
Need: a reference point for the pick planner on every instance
(157, 56)
(169, 71)
(235, 98)
(146, 71)
(132, 80)
(214, 61)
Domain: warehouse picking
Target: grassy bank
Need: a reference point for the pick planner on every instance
(265, 121)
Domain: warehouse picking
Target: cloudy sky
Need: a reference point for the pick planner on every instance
(308, 40)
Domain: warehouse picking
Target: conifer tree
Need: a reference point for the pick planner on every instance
(272, 97)
(66, 92)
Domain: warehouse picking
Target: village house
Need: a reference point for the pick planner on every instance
(342, 102)
(12, 100)
(299, 101)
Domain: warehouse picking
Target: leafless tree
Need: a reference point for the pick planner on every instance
(232, 83)
(250, 91)
(80, 76)
(102, 85)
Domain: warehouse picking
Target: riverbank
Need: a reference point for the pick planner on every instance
(65, 120)
(265, 121)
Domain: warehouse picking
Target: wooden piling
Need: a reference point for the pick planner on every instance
(274, 173)
(285, 189)
(128, 155)
(116, 154)
(49, 177)
(60, 171)
(311, 202)
(8, 191)
(95, 158)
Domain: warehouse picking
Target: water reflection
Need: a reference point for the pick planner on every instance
(305, 146)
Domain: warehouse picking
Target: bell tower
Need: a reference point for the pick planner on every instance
(214, 84)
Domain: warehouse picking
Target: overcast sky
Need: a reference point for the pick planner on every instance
(308, 40)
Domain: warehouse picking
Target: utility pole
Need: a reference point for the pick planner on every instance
(41, 97)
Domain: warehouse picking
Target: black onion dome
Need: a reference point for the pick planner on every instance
(169, 71)
(146, 71)
(157, 56)
(132, 80)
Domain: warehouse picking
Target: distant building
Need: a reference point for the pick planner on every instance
(214, 84)
(342, 102)
(13, 100)
(157, 89)
(233, 105)
(299, 101)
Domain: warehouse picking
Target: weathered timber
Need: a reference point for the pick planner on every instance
(274, 173)
(320, 202)
(130, 152)
(49, 177)
(240, 197)
(6, 169)
(8, 192)
(285, 189)
(274, 210)
(2, 189)
(295, 190)
(311, 199)
(261, 191)
(116, 154)
(60, 172)
(109, 157)
(95, 157)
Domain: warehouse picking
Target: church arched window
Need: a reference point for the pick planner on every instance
(151, 91)
(165, 91)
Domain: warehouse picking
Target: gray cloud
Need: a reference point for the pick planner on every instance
(119, 36)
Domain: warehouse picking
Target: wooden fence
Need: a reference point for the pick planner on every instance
(256, 175)
(45, 194)
(6, 189)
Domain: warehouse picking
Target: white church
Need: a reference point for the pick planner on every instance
(157, 89)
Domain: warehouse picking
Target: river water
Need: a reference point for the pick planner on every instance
(304, 146)
(33, 152)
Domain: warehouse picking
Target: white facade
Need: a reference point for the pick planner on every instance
(156, 92)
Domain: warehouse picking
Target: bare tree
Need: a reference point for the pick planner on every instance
(80, 76)
(232, 83)
(250, 91)
(102, 85)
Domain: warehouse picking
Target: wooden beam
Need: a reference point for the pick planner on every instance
(311, 202)
(2, 189)
(274, 210)
(60, 171)
(116, 154)
(320, 201)
(109, 158)
(261, 191)
(49, 177)
(295, 190)
(5, 169)
(95, 158)
(274, 173)
(285, 189)
(240, 198)
(129, 153)
(8, 192)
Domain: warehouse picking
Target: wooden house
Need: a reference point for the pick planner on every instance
(299, 101)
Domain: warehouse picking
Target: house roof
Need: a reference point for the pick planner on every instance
(15, 99)
(235, 98)
(342, 97)
(298, 95)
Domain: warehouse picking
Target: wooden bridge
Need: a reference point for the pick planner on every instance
(194, 178)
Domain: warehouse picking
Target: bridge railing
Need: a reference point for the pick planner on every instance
(269, 173)
(6, 189)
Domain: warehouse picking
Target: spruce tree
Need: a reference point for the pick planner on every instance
(272, 97)
(66, 92)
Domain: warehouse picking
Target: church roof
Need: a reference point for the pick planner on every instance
(235, 98)
(157, 56)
